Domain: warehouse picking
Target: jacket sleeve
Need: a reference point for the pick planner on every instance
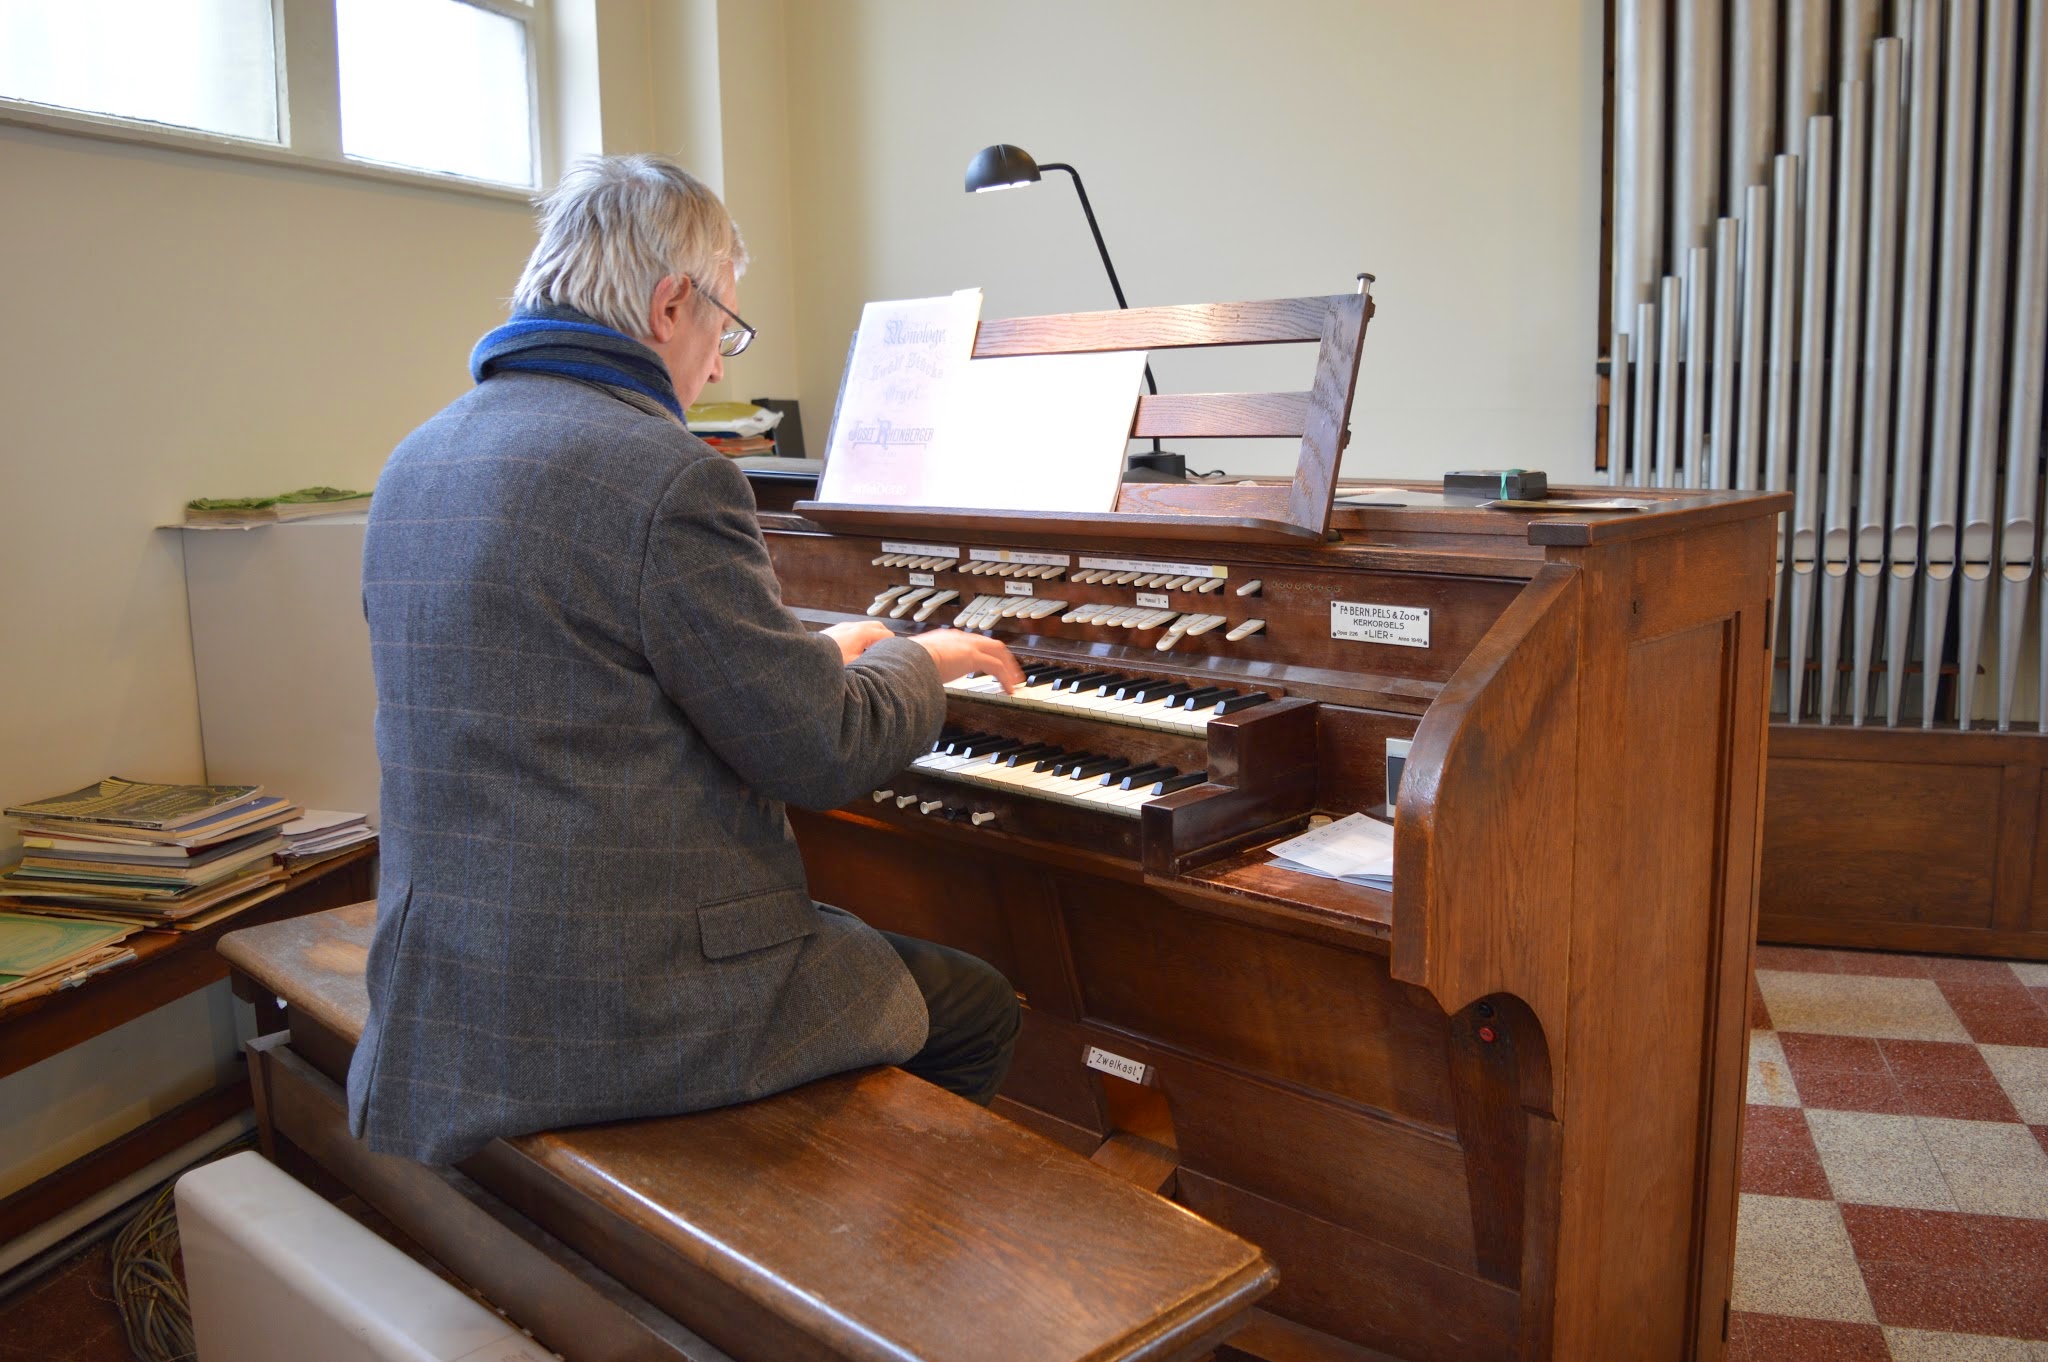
(772, 699)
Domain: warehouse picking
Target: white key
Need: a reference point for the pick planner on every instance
(1245, 630)
(1178, 583)
(881, 602)
(1251, 588)
(1046, 607)
(1213, 584)
(1123, 578)
(1204, 624)
(879, 560)
(1087, 574)
(924, 612)
(1173, 634)
(908, 599)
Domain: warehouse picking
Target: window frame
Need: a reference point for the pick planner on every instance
(308, 76)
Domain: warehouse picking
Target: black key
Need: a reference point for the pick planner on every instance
(946, 735)
(1131, 780)
(1114, 683)
(1202, 698)
(1085, 769)
(1030, 754)
(1082, 682)
(1061, 766)
(1044, 673)
(1055, 759)
(954, 744)
(990, 747)
(1166, 787)
(1158, 690)
(1238, 702)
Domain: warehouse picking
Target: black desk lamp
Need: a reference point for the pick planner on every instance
(1006, 167)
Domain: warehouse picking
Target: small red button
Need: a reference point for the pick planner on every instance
(1486, 1034)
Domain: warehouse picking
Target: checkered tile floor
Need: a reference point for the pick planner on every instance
(1895, 1162)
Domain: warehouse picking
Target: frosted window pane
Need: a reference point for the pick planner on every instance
(207, 64)
(436, 85)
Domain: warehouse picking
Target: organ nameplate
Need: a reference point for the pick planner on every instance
(923, 579)
(1017, 587)
(1130, 1069)
(1019, 556)
(1157, 600)
(1404, 626)
(1172, 569)
(920, 550)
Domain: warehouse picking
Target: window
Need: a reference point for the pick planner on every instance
(205, 64)
(448, 87)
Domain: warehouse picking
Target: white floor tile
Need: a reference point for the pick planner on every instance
(1792, 1257)
(2022, 1070)
(1879, 1160)
(1991, 1167)
(1770, 1077)
(1858, 1005)
(2032, 973)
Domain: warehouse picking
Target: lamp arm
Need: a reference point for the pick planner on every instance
(1103, 250)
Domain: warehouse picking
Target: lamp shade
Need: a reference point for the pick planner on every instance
(1000, 167)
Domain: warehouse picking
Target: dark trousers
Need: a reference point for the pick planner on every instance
(973, 1018)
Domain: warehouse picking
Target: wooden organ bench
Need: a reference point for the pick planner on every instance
(866, 1216)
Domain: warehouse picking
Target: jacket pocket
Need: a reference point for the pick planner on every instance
(755, 921)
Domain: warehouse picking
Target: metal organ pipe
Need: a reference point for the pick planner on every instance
(2019, 550)
(1879, 335)
(1813, 326)
(1693, 419)
(1987, 345)
(1695, 135)
(1756, 264)
(1952, 303)
(1670, 307)
(1916, 275)
(1837, 521)
(1752, 98)
(1805, 70)
(1640, 53)
(1718, 470)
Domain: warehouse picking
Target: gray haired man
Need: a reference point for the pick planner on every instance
(592, 709)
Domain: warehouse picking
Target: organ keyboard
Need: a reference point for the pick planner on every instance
(1493, 1113)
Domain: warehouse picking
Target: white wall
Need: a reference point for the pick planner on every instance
(1232, 151)
(176, 326)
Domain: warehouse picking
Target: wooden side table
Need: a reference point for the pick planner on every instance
(168, 965)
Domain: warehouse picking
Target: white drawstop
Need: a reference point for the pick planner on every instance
(274, 1272)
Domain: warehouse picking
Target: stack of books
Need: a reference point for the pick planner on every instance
(321, 834)
(305, 504)
(43, 954)
(156, 855)
(733, 428)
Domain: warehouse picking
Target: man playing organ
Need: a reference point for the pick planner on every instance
(593, 707)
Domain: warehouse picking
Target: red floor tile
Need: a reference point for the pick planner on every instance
(1799, 959)
(2008, 1242)
(2026, 1291)
(1965, 970)
(1849, 1090)
(1969, 1101)
(1778, 1157)
(1882, 965)
(1997, 1014)
(2041, 1134)
(1960, 1300)
(1782, 1338)
(1759, 1015)
(1935, 1061)
(1913, 1238)
(1807, 1053)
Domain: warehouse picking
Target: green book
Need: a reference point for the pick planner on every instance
(136, 804)
(31, 945)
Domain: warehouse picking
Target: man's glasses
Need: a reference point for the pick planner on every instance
(735, 338)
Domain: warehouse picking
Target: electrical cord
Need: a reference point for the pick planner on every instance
(156, 1314)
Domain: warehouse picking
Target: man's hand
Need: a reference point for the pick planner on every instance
(959, 653)
(856, 638)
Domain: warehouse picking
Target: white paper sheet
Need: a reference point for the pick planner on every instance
(1356, 849)
(901, 388)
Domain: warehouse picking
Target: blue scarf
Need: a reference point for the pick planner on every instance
(564, 342)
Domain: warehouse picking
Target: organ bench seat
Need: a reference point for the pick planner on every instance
(866, 1216)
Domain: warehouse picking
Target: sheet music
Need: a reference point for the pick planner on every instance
(1356, 849)
(901, 389)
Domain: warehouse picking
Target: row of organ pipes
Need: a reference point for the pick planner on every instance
(1831, 277)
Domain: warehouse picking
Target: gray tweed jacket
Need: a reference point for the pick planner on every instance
(592, 707)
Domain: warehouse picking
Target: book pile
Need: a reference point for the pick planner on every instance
(155, 855)
(41, 954)
(304, 504)
(321, 834)
(733, 428)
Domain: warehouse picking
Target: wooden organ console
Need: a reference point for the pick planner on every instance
(1493, 1113)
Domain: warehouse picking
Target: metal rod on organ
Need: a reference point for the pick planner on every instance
(1805, 69)
(1952, 312)
(1752, 100)
(1837, 519)
(1785, 291)
(1880, 334)
(1749, 408)
(1813, 318)
(1719, 469)
(2018, 550)
(1642, 361)
(1695, 137)
(1618, 370)
(1669, 306)
(1987, 345)
(1916, 278)
(1639, 39)
(1692, 448)
(1855, 30)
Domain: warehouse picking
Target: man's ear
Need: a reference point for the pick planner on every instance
(665, 308)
